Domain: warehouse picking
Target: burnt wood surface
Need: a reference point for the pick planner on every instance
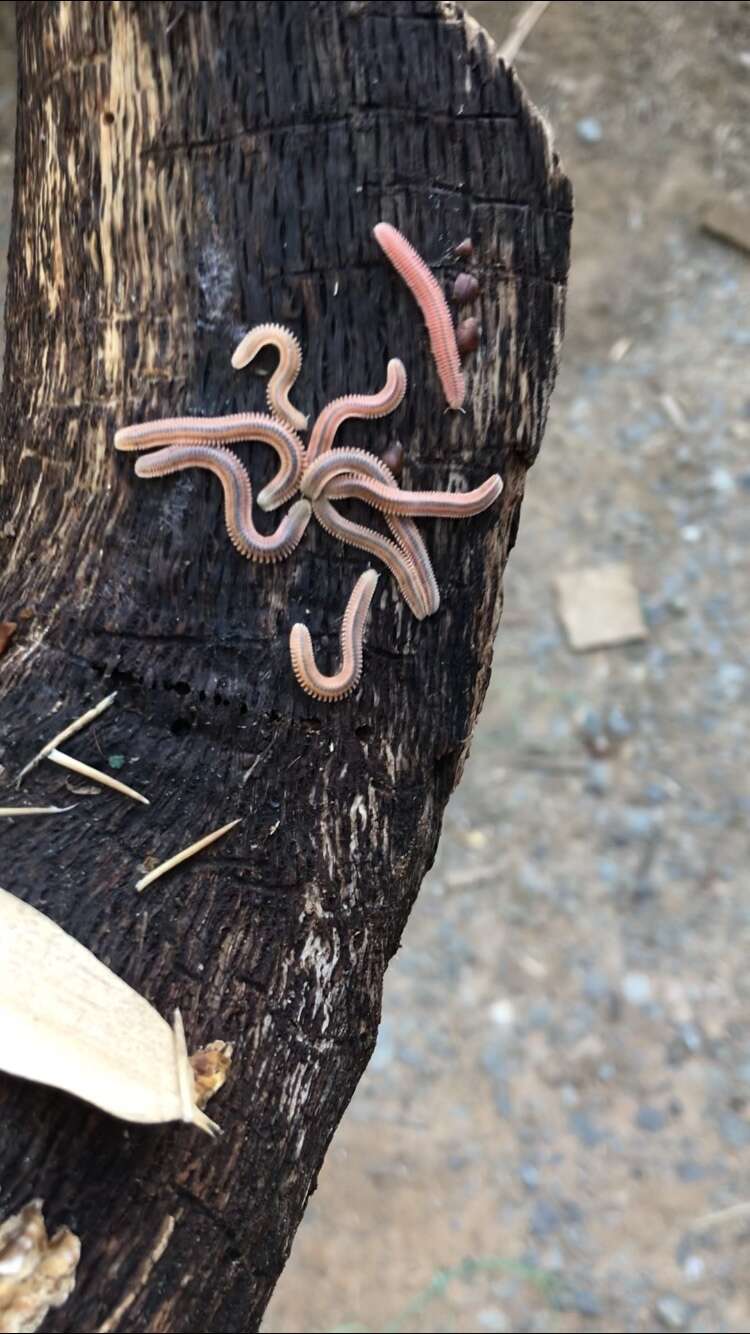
(183, 171)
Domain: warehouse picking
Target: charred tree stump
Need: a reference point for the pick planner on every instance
(183, 171)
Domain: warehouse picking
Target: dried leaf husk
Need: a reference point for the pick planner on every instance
(80, 1028)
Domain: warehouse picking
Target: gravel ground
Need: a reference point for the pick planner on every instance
(559, 1095)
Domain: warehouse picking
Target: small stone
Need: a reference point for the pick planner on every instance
(545, 1218)
(596, 986)
(694, 1267)
(734, 1130)
(503, 1013)
(581, 1300)
(594, 732)
(692, 532)
(651, 1119)
(639, 823)
(690, 1171)
(672, 1312)
(580, 1123)
(730, 679)
(618, 725)
(529, 1175)
(540, 1015)
(465, 248)
(691, 1036)
(589, 130)
(722, 481)
(598, 778)
(465, 289)
(493, 1319)
(636, 988)
(609, 870)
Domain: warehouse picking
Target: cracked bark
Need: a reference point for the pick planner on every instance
(184, 170)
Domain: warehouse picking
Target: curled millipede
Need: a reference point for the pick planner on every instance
(425, 289)
(348, 676)
(318, 480)
(356, 405)
(285, 374)
(416, 504)
(238, 499)
(400, 565)
(207, 431)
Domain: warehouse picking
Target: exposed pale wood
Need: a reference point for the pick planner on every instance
(182, 172)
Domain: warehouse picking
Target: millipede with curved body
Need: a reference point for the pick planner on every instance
(238, 499)
(208, 431)
(339, 410)
(285, 374)
(427, 292)
(347, 678)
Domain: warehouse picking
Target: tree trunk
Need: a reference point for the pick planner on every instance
(183, 171)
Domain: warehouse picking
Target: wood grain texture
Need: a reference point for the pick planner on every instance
(183, 171)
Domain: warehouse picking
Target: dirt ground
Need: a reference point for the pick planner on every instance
(555, 1126)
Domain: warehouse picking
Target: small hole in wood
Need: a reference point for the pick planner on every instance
(108, 117)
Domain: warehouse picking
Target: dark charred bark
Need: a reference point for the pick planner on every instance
(184, 170)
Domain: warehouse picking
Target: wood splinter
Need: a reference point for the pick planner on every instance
(12, 811)
(183, 856)
(96, 775)
(76, 726)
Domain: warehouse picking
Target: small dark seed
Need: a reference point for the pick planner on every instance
(465, 289)
(393, 458)
(467, 337)
(465, 248)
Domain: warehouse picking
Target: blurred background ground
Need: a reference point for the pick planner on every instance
(561, 1088)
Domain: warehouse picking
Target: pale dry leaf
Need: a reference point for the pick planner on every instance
(82, 1029)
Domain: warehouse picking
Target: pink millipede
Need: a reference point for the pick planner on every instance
(348, 676)
(238, 498)
(400, 566)
(427, 292)
(356, 405)
(416, 504)
(318, 481)
(285, 374)
(221, 431)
